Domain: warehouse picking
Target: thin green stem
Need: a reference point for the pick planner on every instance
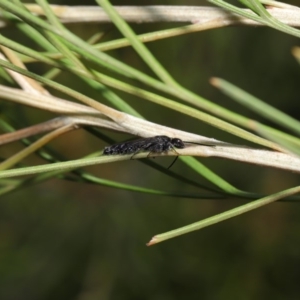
(140, 48)
(224, 216)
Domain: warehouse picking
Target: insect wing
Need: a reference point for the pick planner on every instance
(156, 144)
(149, 144)
(128, 147)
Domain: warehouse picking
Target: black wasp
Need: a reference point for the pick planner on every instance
(156, 144)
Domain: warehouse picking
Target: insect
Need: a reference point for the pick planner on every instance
(156, 144)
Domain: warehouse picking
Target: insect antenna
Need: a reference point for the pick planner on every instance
(198, 144)
(174, 149)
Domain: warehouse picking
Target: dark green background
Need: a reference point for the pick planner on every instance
(67, 240)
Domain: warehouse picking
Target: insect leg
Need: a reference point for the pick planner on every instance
(173, 162)
(135, 153)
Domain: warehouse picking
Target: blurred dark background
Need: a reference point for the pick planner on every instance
(69, 240)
